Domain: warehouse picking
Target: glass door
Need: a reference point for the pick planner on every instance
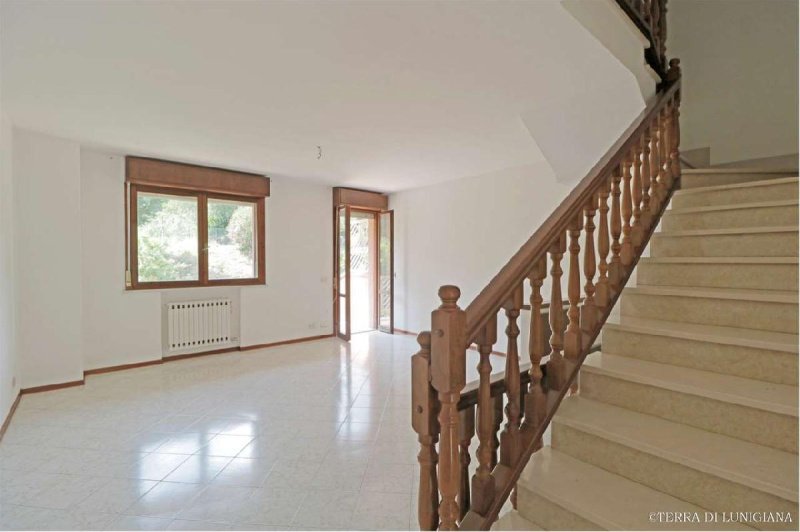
(386, 271)
(342, 306)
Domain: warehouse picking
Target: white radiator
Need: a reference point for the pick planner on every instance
(195, 324)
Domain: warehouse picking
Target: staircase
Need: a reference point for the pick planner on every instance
(690, 410)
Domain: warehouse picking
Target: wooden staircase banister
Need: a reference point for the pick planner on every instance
(629, 189)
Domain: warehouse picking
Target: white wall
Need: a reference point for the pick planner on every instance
(47, 223)
(739, 62)
(119, 327)
(75, 313)
(462, 233)
(9, 382)
(297, 299)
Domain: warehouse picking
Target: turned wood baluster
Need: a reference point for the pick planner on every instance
(448, 375)
(589, 309)
(655, 187)
(555, 366)
(647, 216)
(603, 293)
(425, 409)
(674, 155)
(666, 134)
(509, 439)
(663, 32)
(482, 481)
(615, 267)
(637, 232)
(535, 403)
(626, 253)
(466, 430)
(676, 127)
(573, 341)
(497, 400)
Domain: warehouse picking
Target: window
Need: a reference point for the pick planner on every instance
(181, 235)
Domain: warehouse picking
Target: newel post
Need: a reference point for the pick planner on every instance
(425, 409)
(448, 376)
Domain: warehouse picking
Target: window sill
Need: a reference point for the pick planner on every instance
(195, 284)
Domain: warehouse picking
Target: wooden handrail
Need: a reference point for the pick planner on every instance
(638, 174)
(487, 303)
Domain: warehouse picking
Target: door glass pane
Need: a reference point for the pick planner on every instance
(342, 315)
(167, 237)
(341, 274)
(362, 271)
(231, 239)
(342, 259)
(385, 272)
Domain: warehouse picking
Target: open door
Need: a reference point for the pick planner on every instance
(386, 271)
(342, 292)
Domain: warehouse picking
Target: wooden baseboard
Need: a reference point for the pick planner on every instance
(110, 369)
(51, 387)
(173, 358)
(286, 342)
(403, 331)
(11, 411)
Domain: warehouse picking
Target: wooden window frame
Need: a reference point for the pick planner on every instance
(132, 240)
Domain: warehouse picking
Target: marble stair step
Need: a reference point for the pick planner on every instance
(563, 493)
(754, 214)
(759, 412)
(761, 355)
(768, 310)
(762, 190)
(762, 273)
(773, 241)
(707, 177)
(513, 520)
(711, 470)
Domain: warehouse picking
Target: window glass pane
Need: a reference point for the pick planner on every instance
(231, 239)
(167, 237)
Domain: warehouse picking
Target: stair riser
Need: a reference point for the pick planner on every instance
(736, 245)
(549, 515)
(748, 362)
(762, 315)
(710, 180)
(785, 215)
(780, 191)
(719, 275)
(697, 487)
(743, 422)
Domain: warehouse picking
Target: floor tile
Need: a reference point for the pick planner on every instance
(226, 445)
(371, 511)
(215, 443)
(271, 507)
(127, 522)
(116, 496)
(182, 524)
(217, 504)
(198, 469)
(249, 472)
(155, 466)
(166, 499)
(331, 509)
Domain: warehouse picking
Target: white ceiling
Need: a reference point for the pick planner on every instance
(397, 93)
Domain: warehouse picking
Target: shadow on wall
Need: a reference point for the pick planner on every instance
(590, 95)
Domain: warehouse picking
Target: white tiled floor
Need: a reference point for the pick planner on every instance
(311, 435)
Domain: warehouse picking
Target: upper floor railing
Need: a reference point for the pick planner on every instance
(650, 16)
(638, 175)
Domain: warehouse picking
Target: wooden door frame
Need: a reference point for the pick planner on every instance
(367, 202)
